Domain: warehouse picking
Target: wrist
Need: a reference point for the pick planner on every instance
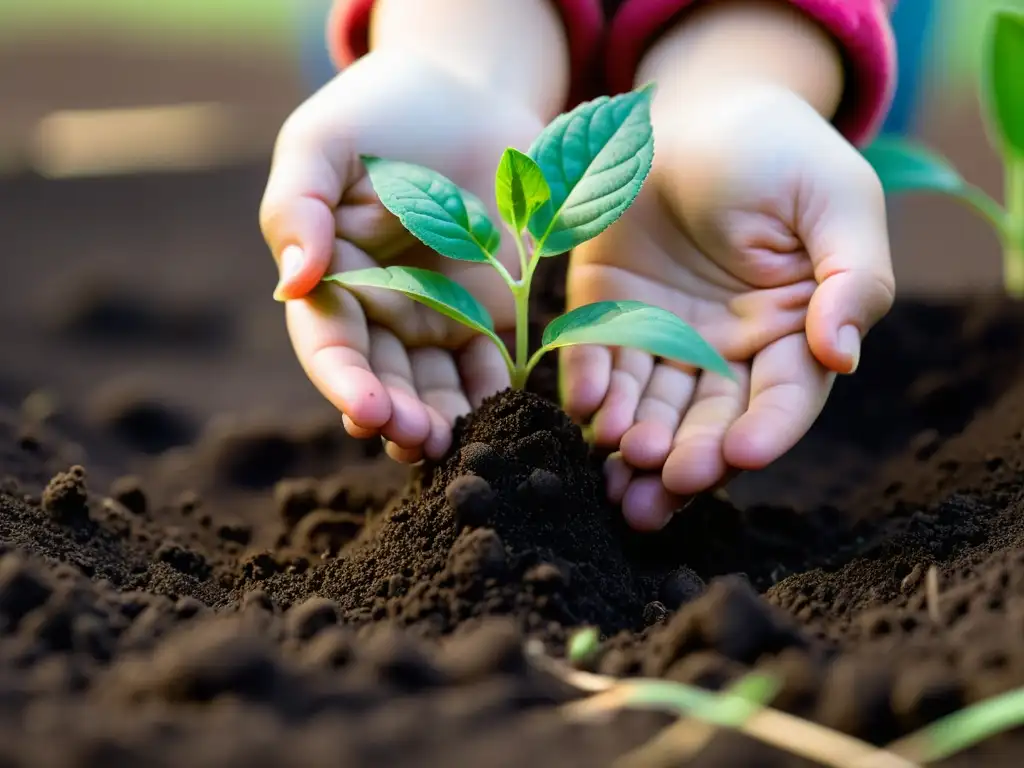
(518, 49)
(744, 44)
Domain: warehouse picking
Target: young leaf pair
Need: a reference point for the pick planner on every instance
(579, 176)
(905, 166)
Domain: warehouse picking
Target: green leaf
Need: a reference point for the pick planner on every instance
(444, 217)
(904, 166)
(435, 290)
(638, 325)
(1005, 78)
(595, 159)
(520, 188)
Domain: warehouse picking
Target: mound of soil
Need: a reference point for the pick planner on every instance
(513, 523)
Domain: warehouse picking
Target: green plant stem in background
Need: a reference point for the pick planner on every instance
(1013, 229)
(964, 729)
(986, 207)
(905, 166)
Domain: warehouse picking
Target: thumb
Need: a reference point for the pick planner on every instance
(848, 243)
(297, 212)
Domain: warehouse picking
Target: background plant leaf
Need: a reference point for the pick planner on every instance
(595, 159)
(904, 166)
(1005, 78)
(431, 288)
(444, 217)
(520, 188)
(637, 325)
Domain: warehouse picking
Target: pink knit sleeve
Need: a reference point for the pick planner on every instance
(861, 27)
(348, 36)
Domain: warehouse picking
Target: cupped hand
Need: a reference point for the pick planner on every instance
(763, 228)
(392, 367)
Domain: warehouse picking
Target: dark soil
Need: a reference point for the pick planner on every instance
(183, 586)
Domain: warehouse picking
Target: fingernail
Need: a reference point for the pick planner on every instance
(291, 262)
(849, 345)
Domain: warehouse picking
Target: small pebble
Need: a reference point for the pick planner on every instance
(680, 587)
(471, 500)
(481, 459)
(129, 493)
(311, 617)
(912, 580)
(655, 612)
(66, 497)
(542, 487)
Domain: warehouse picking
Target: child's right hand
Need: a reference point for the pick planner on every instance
(393, 367)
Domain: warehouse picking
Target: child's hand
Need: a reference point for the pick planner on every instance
(393, 367)
(766, 230)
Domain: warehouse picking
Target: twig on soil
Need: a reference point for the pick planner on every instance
(779, 729)
(931, 595)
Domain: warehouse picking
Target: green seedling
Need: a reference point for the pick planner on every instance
(905, 166)
(962, 730)
(579, 176)
(583, 645)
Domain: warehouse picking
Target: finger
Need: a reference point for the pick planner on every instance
(788, 389)
(356, 431)
(584, 376)
(437, 381)
(631, 370)
(440, 438)
(297, 210)
(437, 443)
(647, 505)
(409, 425)
(483, 370)
(648, 442)
(696, 461)
(849, 246)
(332, 343)
(403, 455)
(617, 474)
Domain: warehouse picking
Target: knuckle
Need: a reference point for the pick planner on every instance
(886, 291)
(867, 177)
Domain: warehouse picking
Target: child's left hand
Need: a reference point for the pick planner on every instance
(766, 230)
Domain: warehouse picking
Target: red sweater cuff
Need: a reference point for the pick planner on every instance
(348, 37)
(860, 26)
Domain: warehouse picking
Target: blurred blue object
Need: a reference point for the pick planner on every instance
(316, 62)
(913, 22)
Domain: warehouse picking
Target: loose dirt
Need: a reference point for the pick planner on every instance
(183, 586)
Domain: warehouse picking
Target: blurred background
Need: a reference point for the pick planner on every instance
(134, 142)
